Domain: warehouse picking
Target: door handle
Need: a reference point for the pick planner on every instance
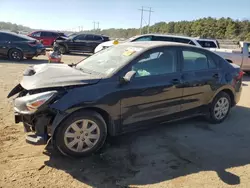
(216, 76)
(175, 81)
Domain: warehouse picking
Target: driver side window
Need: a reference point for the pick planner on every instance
(156, 62)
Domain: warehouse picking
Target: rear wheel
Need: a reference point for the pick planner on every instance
(15, 55)
(82, 134)
(220, 108)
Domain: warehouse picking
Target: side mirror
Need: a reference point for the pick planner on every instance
(128, 76)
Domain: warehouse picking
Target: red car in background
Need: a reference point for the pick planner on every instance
(46, 37)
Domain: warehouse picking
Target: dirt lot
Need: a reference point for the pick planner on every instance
(191, 154)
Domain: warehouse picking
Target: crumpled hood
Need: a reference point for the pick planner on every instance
(55, 75)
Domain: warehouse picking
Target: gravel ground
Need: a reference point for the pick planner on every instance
(192, 153)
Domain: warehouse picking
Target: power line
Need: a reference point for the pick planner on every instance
(149, 17)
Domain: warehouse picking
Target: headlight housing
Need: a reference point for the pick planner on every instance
(30, 103)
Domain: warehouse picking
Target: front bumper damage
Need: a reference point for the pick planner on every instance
(37, 127)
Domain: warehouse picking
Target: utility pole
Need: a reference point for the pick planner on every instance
(141, 19)
(149, 17)
(94, 26)
(97, 26)
(146, 10)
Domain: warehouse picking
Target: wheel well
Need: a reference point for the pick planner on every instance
(230, 61)
(13, 49)
(231, 95)
(103, 113)
(110, 125)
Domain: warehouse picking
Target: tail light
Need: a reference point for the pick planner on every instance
(33, 43)
(240, 75)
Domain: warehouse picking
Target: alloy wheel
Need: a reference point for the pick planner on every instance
(16, 55)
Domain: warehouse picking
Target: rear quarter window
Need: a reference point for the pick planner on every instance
(207, 44)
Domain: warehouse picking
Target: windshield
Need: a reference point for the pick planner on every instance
(109, 60)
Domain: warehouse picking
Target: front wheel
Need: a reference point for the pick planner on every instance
(81, 134)
(220, 108)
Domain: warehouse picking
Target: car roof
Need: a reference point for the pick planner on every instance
(164, 35)
(153, 44)
(91, 34)
(175, 36)
(7, 32)
(46, 31)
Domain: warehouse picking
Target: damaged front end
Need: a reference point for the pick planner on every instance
(40, 88)
(32, 108)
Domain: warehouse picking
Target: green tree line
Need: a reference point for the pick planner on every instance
(13, 27)
(223, 28)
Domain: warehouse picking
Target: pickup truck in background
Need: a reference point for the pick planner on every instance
(239, 56)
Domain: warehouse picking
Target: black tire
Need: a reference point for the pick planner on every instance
(89, 115)
(212, 117)
(15, 55)
(62, 49)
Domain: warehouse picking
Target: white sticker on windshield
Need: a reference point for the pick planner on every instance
(131, 50)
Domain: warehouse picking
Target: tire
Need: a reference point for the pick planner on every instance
(15, 55)
(80, 141)
(62, 49)
(224, 100)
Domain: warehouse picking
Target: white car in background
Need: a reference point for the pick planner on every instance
(204, 43)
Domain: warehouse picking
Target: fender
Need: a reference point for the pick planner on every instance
(113, 127)
(227, 87)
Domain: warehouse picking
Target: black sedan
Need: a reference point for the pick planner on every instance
(16, 46)
(123, 88)
(79, 43)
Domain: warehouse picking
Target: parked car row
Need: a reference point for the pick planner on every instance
(18, 46)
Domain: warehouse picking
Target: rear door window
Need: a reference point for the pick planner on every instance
(193, 61)
(46, 34)
(162, 38)
(144, 38)
(89, 37)
(97, 38)
(80, 37)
